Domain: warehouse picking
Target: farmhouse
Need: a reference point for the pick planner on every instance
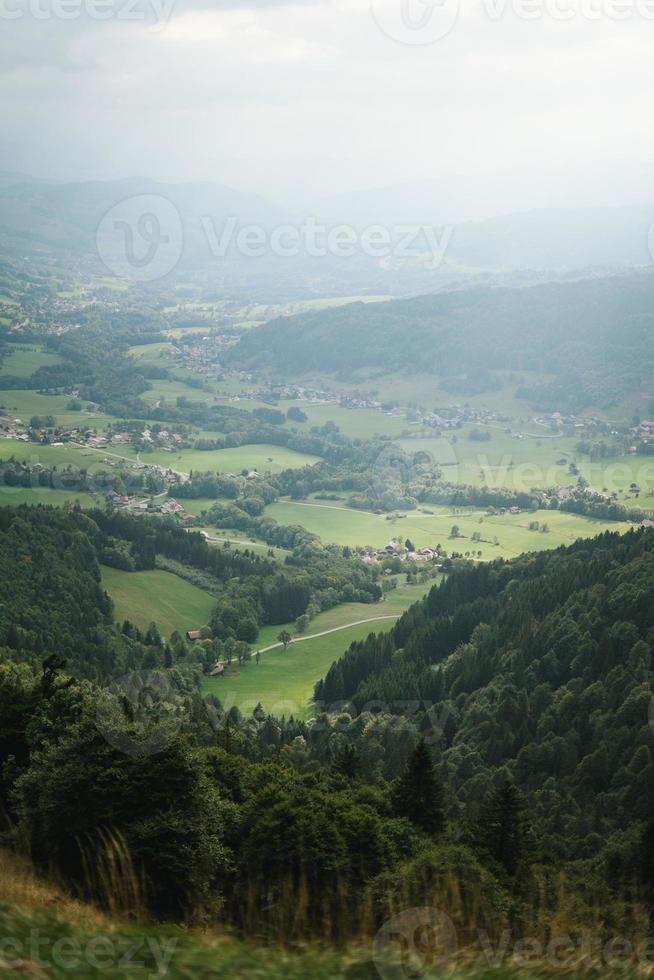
(193, 635)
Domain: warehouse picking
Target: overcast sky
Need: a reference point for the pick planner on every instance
(301, 100)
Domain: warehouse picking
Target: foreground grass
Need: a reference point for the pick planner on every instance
(157, 597)
(47, 934)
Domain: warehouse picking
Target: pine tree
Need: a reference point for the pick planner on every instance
(504, 829)
(418, 794)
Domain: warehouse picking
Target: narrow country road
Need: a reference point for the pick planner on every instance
(336, 629)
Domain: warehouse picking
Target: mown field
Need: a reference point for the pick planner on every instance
(157, 597)
(264, 459)
(24, 360)
(342, 525)
(15, 496)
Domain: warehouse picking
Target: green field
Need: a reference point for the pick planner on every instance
(23, 361)
(357, 423)
(264, 459)
(535, 460)
(157, 597)
(25, 404)
(14, 496)
(60, 456)
(334, 523)
(283, 680)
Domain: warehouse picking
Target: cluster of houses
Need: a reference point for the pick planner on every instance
(394, 549)
(202, 354)
(642, 433)
(13, 429)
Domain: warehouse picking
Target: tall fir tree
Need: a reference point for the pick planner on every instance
(504, 829)
(418, 794)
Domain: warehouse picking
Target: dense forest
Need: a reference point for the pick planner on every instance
(539, 668)
(592, 335)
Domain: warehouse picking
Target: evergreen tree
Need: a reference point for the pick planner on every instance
(418, 794)
(504, 829)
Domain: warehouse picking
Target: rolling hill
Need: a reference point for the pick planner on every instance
(592, 335)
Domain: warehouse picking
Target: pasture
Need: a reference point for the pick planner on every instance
(15, 496)
(535, 460)
(24, 404)
(283, 680)
(342, 525)
(157, 597)
(357, 423)
(23, 360)
(264, 459)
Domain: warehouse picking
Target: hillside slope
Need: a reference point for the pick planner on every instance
(539, 668)
(601, 327)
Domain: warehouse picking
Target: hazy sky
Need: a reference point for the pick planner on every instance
(300, 100)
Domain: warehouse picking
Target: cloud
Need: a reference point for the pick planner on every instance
(301, 99)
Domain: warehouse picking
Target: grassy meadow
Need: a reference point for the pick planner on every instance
(535, 460)
(24, 360)
(263, 458)
(283, 680)
(157, 597)
(342, 525)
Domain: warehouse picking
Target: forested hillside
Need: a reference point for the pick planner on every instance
(593, 335)
(539, 668)
(494, 746)
(51, 600)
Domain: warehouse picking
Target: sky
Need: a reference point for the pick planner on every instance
(304, 100)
